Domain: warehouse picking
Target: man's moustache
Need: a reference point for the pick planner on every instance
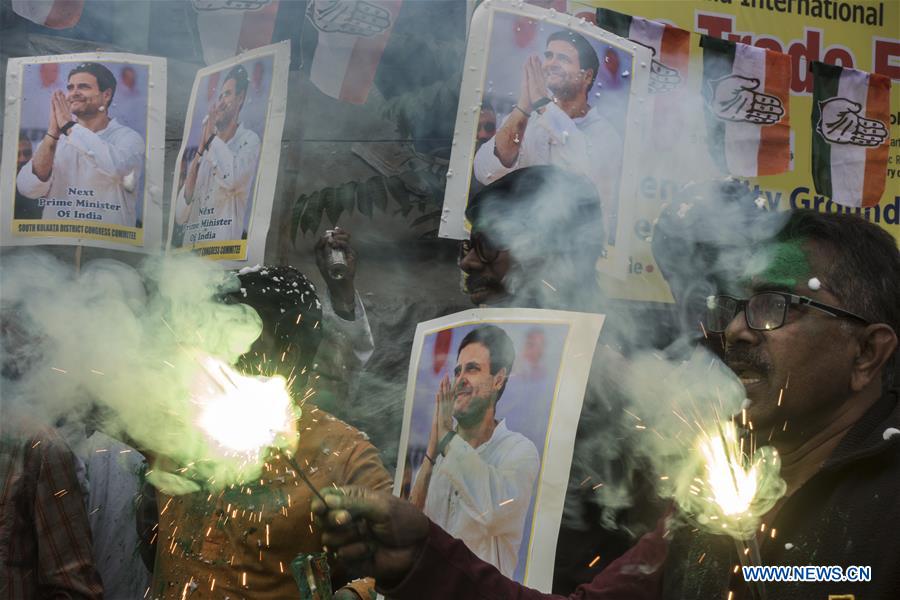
(744, 359)
(474, 282)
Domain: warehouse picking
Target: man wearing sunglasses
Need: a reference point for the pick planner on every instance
(812, 335)
(536, 237)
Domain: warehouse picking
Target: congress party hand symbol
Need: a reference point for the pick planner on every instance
(733, 98)
(663, 79)
(840, 122)
(354, 17)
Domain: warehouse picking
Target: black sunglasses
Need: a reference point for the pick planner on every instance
(484, 249)
(763, 311)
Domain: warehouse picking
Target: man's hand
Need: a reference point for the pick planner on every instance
(443, 410)
(60, 114)
(733, 99)
(372, 533)
(343, 290)
(209, 128)
(533, 86)
(841, 123)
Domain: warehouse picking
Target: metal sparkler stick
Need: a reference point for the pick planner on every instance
(305, 479)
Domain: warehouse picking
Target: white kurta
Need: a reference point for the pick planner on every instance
(470, 488)
(95, 177)
(588, 145)
(222, 191)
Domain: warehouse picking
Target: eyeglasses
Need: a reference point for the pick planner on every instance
(484, 249)
(763, 311)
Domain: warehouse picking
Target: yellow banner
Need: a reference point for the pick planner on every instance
(131, 236)
(229, 250)
(851, 33)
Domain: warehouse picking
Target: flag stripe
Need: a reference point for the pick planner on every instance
(675, 49)
(824, 86)
(331, 61)
(878, 106)
(649, 33)
(257, 27)
(774, 144)
(848, 161)
(718, 61)
(614, 22)
(364, 60)
(742, 139)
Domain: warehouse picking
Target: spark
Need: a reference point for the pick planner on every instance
(61, 493)
(596, 486)
(36, 444)
(640, 427)
(548, 285)
(505, 502)
(594, 562)
(632, 414)
(780, 394)
(586, 479)
(702, 556)
(59, 370)
(96, 372)
(773, 533)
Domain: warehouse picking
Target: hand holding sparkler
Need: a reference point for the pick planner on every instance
(372, 533)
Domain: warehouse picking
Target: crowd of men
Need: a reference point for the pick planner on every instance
(811, 334)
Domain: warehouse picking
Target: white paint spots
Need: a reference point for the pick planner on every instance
(788, 546)
(814, 284)
(760, 202)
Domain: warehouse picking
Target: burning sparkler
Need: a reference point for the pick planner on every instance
(236, 422)
(727, 488)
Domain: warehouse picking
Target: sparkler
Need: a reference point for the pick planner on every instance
(728, 490)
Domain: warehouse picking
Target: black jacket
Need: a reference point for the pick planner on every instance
(847, 514)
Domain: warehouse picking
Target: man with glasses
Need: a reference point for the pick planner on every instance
(812, 335)
(536, 237)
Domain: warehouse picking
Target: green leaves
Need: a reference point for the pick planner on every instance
(420, 189)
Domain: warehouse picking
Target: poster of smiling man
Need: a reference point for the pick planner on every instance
(542, 87)
(225, 173)
(83, 158)
(492, 404)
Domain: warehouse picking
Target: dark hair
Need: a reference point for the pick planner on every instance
(291, 317)
(105, 79)
(864, 267)
(542, 211)
(587, 56)
(500, 347)
(241, 81)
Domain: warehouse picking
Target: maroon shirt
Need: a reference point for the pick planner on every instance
(447, 570)
(45, 539)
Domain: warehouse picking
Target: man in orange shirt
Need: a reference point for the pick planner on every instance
(240, 542)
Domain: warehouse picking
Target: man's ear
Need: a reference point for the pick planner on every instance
(107, 97)
(876, 345)
(499, 379)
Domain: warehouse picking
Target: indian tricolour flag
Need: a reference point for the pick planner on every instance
(747, 93)
(351, 37)
(850, 120)
(668, 72)
(671, 46)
